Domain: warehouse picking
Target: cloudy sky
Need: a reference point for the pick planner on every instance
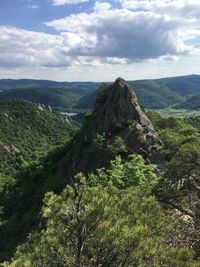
(87, 40)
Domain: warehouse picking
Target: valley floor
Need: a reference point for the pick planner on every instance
(178, 113)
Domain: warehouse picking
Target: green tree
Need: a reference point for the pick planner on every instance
(99, 141)
(117, 147)
(179, 188)
(126, 173)
(90, 226)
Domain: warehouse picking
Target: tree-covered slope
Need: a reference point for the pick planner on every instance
(59, 95)
(185, 86)
(57, 98)
(27, 129)
(192, 103)
(157, 93)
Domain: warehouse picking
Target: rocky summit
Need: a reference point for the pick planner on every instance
(117, 112)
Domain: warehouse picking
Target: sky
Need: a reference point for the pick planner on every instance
(88, 40)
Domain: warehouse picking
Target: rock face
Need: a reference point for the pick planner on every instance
(117, 112)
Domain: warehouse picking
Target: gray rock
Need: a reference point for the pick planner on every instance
(117, 107)
(12, 150)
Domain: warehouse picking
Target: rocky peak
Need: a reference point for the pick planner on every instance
(117, 105)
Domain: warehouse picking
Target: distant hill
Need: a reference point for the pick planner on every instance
(59, 95)
(58, 98)
(74, 96)
(185, 86)
(156, 93)
(29, 83)
(192, 103)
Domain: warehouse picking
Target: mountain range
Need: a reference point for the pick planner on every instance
(76, 96)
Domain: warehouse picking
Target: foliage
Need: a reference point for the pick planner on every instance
(192, 103)
(28, 131)
(178, 185)
(194, 121)
(112, 217)
(118, 147)
(173, 132)
(123, 174)
(26, 191)
(104, 226)
(99, 141)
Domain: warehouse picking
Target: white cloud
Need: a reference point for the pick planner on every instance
(22, 48)
(182, 8)
(102, 6)
(67, 2)
(124, 33)
(157, 4)
(107, 38)
(33, 6)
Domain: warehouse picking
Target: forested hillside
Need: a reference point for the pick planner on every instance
(78, 96)
(134, 202)
(59, 95)
(192, 103)
(27, 131)
(157, 93)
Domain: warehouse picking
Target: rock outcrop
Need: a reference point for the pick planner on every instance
(118, 125)
(12, 150)
(117, 112)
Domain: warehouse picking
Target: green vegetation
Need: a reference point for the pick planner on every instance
(178, 186)
(178, 113)
(185, 86)
(91, 224)
(194, 121)
(173, 132)
(192, 103)
(120, 212)
(21, 198)
(61, 96)
(85, 224)
(57, 98)
(28, 131)
(155, 94)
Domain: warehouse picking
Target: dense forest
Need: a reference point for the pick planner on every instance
(122, 189)
(28, 131)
